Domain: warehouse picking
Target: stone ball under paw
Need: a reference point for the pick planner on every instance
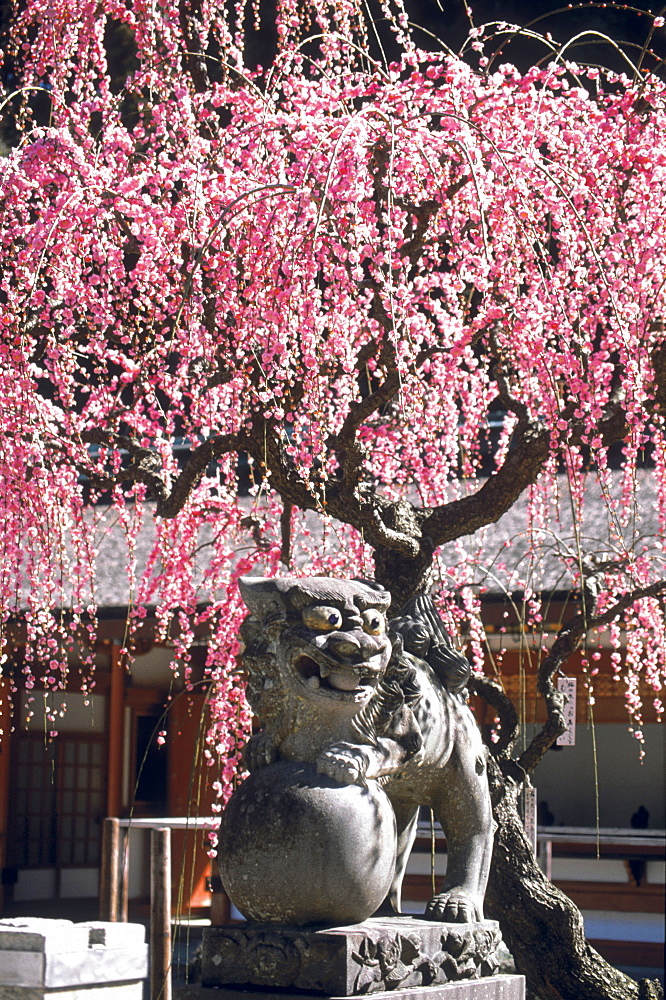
(296, 847)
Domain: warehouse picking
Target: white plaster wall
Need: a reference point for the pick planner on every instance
(602, 925)
(79, 883)
(138, 882)
(35, 883)
(565, 778)
(77, 716)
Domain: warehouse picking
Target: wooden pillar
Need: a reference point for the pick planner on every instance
(116, 727)
(109, 873)
(220, 904)
(5, 728)
(160, 914)
(191, 794)
(123, 889)
(113, 873)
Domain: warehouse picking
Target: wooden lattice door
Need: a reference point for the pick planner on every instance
(57, 803)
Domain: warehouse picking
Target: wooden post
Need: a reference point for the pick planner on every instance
(160, 914)
(546, 857)
(116, 727)
(220, 904)
(5, 786)
(123, 889)
(109, 872)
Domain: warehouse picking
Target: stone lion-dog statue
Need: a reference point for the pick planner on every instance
(333, 683)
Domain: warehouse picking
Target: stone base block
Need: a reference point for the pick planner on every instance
(490, 988)
(94, 966)
(110, 991)
(97, 960)
(378, 955)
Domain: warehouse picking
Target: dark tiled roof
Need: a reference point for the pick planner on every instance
(503, 548)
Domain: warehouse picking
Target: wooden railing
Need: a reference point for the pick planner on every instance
(114, 885)
(629, 845)
(633, 895)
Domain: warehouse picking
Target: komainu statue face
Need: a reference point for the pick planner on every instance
(323, 638)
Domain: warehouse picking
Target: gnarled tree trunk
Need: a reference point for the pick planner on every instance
(541, 926)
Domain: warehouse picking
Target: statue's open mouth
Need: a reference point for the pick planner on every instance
(334, 680)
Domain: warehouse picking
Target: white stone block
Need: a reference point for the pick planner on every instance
(114, 935)
(60, 969)
(114, 991)
(22, 968)
(41, 935)
(38, 955)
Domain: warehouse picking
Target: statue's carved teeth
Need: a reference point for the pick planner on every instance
(343, 680)
(325, 676)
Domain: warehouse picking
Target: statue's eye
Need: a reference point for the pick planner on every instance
(374, 622)
(322, 618)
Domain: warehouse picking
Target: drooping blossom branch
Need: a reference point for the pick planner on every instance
(406, 298)
(568, 640)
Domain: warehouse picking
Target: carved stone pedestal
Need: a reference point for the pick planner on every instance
(398, 954)
(492, 988)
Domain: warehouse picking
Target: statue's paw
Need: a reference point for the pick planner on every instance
(455, 906)
(259, 751)
(345, 765)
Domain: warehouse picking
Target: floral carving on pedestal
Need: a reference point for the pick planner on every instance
(399, 961)
(391, 962)
(373, 957)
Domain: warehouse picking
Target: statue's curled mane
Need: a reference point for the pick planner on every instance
(397, 689)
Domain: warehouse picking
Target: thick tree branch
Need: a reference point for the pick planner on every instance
(349, 451)
(412, 537)
(413, 247)
(362, 508)
(542, 928)
(194, 469)
(194, 61)
(529, 451)
(509, 727)
(285, 531)
(401, 537)
(145, 464)
(146, 467)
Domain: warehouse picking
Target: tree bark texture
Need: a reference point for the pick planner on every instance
(541, 926)
(402, 577)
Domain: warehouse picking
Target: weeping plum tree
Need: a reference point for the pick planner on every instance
(346, 271)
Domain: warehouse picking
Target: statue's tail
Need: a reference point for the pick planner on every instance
(424, 635)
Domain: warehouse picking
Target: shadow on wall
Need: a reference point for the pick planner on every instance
(565, 780)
